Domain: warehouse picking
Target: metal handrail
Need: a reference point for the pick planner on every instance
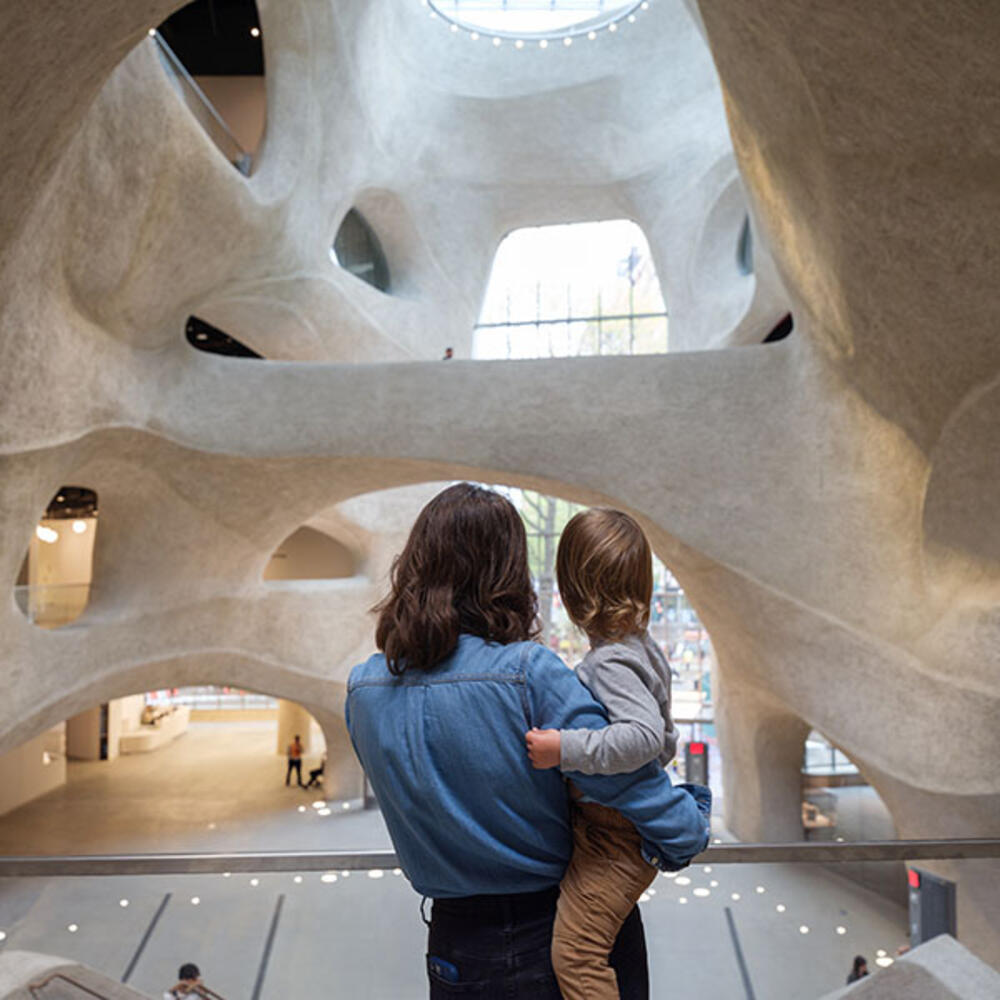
(33, 988)
(299, 861)
(241, 159)
(52, 976)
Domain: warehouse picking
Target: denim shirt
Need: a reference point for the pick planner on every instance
(445, 754)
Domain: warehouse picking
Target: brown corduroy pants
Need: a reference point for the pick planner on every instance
(604, 880)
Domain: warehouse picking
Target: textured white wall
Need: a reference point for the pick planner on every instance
(829, 503)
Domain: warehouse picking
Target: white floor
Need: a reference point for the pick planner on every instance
(355, 936)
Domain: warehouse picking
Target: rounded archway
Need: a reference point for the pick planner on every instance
(54, 582)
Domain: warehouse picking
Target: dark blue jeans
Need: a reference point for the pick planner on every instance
(498, 948)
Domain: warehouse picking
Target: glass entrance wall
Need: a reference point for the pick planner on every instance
(573, 290)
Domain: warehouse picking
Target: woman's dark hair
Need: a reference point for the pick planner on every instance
(464, 569)
(859, 961)
(188, 971)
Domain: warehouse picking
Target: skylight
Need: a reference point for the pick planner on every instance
(521, 19)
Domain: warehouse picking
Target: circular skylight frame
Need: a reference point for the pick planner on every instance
(589, 29)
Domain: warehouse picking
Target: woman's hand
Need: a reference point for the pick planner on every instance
(543, 747)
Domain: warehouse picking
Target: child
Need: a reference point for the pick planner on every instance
(605, 572)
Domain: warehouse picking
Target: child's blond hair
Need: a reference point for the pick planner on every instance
(605, 570)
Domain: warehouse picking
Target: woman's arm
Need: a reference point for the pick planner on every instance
(673, 821)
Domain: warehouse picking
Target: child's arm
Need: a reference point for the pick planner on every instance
(637, 733)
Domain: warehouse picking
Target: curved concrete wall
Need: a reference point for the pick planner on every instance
(829, 503)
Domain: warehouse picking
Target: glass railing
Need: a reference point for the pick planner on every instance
(771, 921)
(201, 107)
(52, 605)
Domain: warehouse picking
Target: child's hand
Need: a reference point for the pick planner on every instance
(543, 747)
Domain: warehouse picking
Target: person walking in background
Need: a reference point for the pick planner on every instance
(294, 762)
(859, 969)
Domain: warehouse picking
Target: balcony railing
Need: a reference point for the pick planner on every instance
(311, 861)
(261, 925)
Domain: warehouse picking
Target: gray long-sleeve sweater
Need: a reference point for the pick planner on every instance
(631, 678)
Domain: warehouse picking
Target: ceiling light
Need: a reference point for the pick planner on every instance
(567, 41)
(612, 27)
(47, 534)
(701, 893)
(3, 935)
(714, 884)
(255, 881)
(328, 877)
(454, 28)
(376, 873)
(683, 899)
(297, 880)
(73, 928)
(841, 930)
(123, 903)
(152, 32)
(884, 962)
(227, 874)
(496, 42)
(803, 929)
(323, 812)
(682, 880)
(631, 19)
(735, 897)
(780, 907)
(195, 900)
(79, 527)
(760, 889)
(474, 36)
(519, 44)
(543, 44)
(591, 35)
(644, 898)
(302, 809)
(255, 31)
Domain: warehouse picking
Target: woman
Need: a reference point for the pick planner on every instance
(438, 718)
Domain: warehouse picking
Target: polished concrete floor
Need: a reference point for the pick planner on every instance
(360, 936)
